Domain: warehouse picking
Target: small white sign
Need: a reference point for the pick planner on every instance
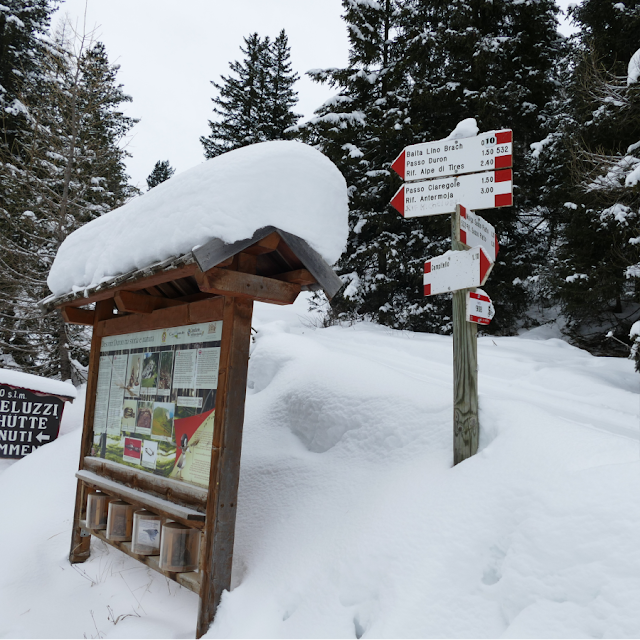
(486, 190)
(440, 158)
(479, 307)
(456, 270)
(477, 232)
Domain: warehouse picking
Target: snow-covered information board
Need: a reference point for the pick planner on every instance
(155, 400)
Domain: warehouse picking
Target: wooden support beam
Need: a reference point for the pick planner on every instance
(466, 424)
(80, 546)
(246, 285)
(299, 276)
(132, 302)
(73, 315)
(266, 245)
(217, 552)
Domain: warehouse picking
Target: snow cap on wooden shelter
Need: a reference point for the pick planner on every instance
(281, 186)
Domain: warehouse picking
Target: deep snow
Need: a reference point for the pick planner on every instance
(351, 520)
(36, 383)
(284, 184)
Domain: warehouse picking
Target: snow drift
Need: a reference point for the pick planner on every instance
(284, 184)
(352, 522)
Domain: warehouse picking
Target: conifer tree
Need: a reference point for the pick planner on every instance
(68, 170)
(161, 171)
(598, 273)
(255, 102)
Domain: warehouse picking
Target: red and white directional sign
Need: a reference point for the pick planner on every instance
(479, 307)
(477, 232)
(490, 150)
(486, 190)
(456, 270)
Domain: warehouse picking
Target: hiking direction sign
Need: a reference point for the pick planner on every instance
(456, 270)
(474, 231)
(479, 307)
(486, 190)
(490, 150)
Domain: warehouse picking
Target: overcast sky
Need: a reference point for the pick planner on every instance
(169, 50)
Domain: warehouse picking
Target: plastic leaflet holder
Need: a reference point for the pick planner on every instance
(97, 510)
(146, 533)
(180, 548)
(120, 521)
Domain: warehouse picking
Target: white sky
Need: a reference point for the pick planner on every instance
(169, 50)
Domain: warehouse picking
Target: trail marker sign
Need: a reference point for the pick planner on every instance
(474, 231)
(440, 158)
(479, 307)
(486, 190)
(455, 270)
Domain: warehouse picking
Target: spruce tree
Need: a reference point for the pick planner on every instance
(417, 68)
(255, 102)
(68, 170)
(161, 171)
(597, 274)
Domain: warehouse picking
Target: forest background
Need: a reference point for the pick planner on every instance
(569, 245)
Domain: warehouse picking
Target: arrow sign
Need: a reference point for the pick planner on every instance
(479, 307)
(42, 436)
(477, 232)
(490, 150)
(455, 270)
(486, 190)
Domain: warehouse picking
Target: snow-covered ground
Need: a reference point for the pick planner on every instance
(351, 520)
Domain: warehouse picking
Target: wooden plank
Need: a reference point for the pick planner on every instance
(217, 555)
(264, 245)
(73, 315)
(80, 549)
(246, 285)
(132, 302)
(142, 283)
(298, 276)
(190, 580)
(208, 310)
(164, 508)
(315, 263)
(466, 424)
(175, 491)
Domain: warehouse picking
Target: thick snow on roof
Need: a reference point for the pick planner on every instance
(36, 383)
(285, 184)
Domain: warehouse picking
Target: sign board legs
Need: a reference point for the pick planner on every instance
(219, 531)
(466, 426)
(80, 546)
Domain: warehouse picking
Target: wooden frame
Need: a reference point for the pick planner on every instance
(226, 290)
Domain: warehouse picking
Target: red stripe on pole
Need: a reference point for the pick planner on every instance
(463, 211)
(427, 267)
(427, 289)
(503, 161)
(479, 320)
(504, 136)
(463, 236)
(398, 201)
(479, 296)
(399, 164)
(504, 200)
(503, 176)
(497, 245)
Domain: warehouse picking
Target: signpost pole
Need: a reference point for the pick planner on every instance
(466, 426)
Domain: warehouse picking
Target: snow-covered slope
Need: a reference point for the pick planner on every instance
(351, 520)
(284, 184)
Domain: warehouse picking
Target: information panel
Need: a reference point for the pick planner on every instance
(155, 400)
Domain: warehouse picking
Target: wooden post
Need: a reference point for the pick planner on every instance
(80, 547)
(217, 555)
(466, 425)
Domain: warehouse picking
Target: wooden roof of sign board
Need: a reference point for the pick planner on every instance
(281, 261)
